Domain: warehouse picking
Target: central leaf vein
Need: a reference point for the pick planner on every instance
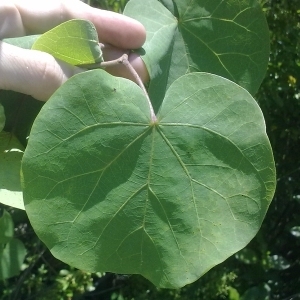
(189, 177)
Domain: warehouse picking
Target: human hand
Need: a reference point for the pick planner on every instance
(38, 73)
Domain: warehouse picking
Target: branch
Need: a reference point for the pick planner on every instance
(127, 64)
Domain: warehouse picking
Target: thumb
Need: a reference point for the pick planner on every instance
(32, 72)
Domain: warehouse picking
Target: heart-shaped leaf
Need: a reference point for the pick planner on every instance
(75, 42)
(227, 38)
(107, 189)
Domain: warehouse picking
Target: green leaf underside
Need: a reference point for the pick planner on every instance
(75, 42)
(227, 38)
(25, 42)
(107, 190)
(11, 152)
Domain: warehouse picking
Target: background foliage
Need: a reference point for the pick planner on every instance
(268, 268)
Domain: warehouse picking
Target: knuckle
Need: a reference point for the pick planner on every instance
(49, 75)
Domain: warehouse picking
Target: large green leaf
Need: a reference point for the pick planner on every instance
(107, 189)
(227, 38)
(160, 25)
(11, 152)
(75, 42)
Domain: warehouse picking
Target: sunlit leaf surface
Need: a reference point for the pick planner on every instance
(106, 189)
(75, 42)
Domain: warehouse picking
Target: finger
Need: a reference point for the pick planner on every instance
(118, 30)
(10, 20)
(38, 74)
(35, 16)
(32, 72)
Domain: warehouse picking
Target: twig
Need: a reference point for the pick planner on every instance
(23, 277)
(138, 79)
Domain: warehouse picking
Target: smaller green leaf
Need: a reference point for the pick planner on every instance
(75, 42)
(2, 117)
(11, 258)
(6, 228)
(11, 152)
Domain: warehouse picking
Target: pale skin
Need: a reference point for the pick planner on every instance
(37, 73)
